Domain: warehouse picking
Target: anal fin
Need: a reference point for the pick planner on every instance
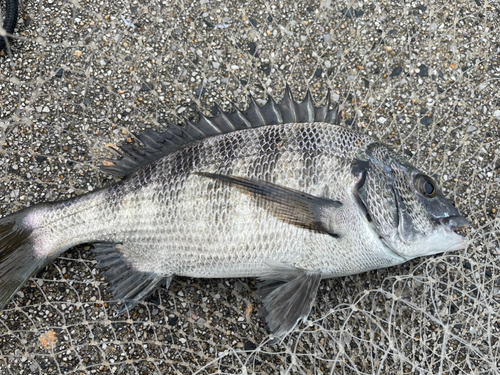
(127, 283)
(288, 294)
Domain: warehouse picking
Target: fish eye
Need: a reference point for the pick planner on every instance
(425, 186)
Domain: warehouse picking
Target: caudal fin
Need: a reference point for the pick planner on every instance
(17, 257)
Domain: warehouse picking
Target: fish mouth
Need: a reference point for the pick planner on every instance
(454, 223)
(451, 225)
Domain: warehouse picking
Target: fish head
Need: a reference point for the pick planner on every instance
(408, 209)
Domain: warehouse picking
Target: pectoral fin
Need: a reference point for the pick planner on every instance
(288, 205)
(288, 294)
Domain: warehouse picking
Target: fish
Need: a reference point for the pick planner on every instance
(281, 192)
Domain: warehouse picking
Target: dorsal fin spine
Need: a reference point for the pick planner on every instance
(207, 125)
(288, 107)
(308, 106)
(241, 116)
(256, 109)
(224, 121)
(271, 112)
(193, 129)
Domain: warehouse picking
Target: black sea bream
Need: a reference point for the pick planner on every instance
(279, 192)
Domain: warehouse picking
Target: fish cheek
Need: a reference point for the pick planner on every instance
(407, 230)
(379, 200)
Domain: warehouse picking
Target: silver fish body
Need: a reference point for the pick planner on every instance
(290, 203)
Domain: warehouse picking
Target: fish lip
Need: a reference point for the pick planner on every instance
(454, 223)
(445, 233)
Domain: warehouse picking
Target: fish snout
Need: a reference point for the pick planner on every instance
(454, 223)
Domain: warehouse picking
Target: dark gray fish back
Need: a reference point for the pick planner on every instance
(157, 145)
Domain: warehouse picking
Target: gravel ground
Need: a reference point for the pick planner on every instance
(421, 76)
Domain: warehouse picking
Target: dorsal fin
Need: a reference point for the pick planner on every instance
(159, 144)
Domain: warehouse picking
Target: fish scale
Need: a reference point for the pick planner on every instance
(279, 192)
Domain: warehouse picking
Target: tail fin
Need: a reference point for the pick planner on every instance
(17, 257)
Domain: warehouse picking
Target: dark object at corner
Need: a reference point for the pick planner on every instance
(8, 20)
